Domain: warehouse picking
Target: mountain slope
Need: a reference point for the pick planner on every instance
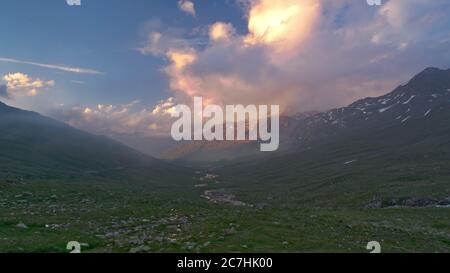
(393, 149)
(425, 99)
(29, 140)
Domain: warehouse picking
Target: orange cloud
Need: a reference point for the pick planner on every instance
(306, 55)
(282, 24)
(221, 31)
(221, 73)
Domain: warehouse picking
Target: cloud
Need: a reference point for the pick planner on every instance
(56, 67)
(159, 38)
(221, 31)
(187, 6)
(282, 24)
(308, 54)
(410, 21)
(21, 85)
(301, 54)
(130, 118)
(240, 69)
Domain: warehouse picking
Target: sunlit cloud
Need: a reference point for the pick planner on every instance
(187, 6)
(131, 118)
(282, 24)
(221, 31)
(240, 69)
(308, 54)
(21, 85)
(304, 55)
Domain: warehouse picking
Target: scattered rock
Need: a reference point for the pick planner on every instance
(190, 245)
(229, 231)
(21, 226)
(409, 202)
(221, 197)
(140, 249)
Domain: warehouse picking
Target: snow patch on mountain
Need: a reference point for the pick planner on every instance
(409, 100)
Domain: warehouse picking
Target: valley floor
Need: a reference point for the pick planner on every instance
(44, 216)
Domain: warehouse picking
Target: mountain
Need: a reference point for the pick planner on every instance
(423, 100)
(31, 143)
(408, 112)
(215, 151)
(155, 146)
(393, 150)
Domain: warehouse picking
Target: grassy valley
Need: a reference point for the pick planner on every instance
(377, 170)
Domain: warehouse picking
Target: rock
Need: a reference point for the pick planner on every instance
(21, 226)
(110, 235)
(374, 204)
(261, 206)
(190, 245)
(140, 249)
(229, 231)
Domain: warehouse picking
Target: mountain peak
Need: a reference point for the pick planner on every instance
(430, 80)
(432, 70)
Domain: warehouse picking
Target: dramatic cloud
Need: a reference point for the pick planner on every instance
(282, 24)
(304, 55)
(53, 66)
(187, 6)
(308, 54)
(21, 85)
(240, 69)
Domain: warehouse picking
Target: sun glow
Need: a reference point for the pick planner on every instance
(282, 24)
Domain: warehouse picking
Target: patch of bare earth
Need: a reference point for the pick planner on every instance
(220, 196)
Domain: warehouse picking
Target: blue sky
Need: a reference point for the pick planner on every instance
(100, 35)
(120, 66)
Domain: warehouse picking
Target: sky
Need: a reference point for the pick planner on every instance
(120, 66)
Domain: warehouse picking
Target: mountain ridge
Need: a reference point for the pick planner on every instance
(425, 94)
(29, 140)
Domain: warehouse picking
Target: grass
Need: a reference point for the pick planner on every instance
(307, 202)
(117, 217)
